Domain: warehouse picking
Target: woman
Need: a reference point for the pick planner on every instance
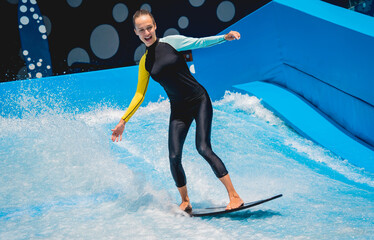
(189, 100)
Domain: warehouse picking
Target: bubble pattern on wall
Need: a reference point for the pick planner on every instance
(105, 40)
(88, 35)
(33, 34)
(69, 25)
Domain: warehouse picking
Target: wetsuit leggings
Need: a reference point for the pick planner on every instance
(180, 121)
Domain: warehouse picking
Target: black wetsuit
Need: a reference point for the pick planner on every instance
(189, 101)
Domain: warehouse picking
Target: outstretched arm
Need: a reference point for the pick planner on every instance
(143, 80)
(183, 43)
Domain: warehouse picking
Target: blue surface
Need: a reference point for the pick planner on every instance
(307, 121)
(78, 92)
(62, 177)
(308, 47)
(318, 65)
(337, 15)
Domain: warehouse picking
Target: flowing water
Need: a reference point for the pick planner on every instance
(62, 178)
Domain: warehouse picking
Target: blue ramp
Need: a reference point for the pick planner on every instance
(318, 51)
(309, 122)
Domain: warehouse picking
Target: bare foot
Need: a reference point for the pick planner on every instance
(185, 206)
(235, 202)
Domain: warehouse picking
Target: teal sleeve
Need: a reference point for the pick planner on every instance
(182, 43)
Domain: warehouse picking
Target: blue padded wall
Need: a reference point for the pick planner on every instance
(330, 63)
(255, 57)
(317, 50)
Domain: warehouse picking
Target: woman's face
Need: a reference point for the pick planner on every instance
(145, 28)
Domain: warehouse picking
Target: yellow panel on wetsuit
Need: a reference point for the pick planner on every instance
(143, 80)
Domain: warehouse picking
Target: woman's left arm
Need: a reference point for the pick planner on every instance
(183, 43)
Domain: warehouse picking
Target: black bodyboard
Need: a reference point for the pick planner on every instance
(222, 210)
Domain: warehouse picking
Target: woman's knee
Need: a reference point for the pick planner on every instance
(175, 159)
(175, 155)
(204, 150)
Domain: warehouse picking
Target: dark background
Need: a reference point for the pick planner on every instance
(71, 27)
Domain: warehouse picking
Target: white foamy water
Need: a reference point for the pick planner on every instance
(62, 178)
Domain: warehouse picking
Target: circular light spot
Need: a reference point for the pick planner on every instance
(35, 16)
(183, 22)
(120, 12)
(44, 36)
(192, 68)
(24, 20)
(38, 64)
(22, 73)
(104, 41)
(197, 3)
(20, 26)
(74, 3)
(42, 29)
(24, 1)
(39, 75)
(31, 66)
(225, 11)
(48, 67)
(20, 54)
(25, 52)
(47, 24)
(40, 60)
(77, 55)
(23, 8)
(13, 1)
(139, 53)
(146, 6)
(29, 59)
(32, 9)
(32, 1)
(171, 31)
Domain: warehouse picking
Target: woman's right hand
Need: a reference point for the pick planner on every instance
(118, 131)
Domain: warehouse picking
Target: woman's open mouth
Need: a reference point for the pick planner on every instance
(147, 39)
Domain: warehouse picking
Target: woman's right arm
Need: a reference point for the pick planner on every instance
(143, 80)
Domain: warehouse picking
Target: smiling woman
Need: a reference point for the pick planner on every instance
(145, 27)
(189, 100)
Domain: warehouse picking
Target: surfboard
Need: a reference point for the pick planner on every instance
(222, 210)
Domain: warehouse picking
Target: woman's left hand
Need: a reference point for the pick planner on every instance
(232, 35)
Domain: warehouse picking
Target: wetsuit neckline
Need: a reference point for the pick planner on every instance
(153, 44)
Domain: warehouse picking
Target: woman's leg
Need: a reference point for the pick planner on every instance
(178, 130)
(235, 200)
(185, 205)
(203, 118)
